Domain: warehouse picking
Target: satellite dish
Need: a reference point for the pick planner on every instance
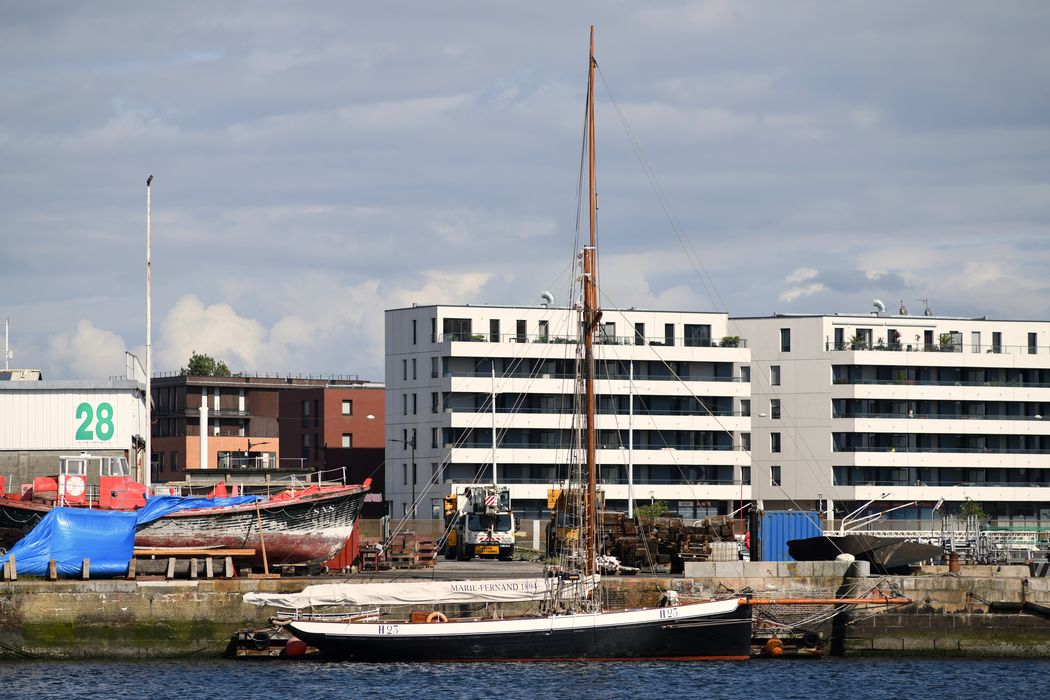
(546, 298)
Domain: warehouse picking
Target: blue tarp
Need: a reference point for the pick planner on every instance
(106, 537)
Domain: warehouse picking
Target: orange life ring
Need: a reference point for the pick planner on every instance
(437, 617)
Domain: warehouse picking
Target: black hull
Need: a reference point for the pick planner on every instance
(16, 519)
(716, 637)
(886, 554)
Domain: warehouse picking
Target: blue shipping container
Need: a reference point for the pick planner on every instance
(779, 526)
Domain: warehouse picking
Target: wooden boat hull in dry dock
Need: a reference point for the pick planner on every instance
(718, 630)
(308, 528)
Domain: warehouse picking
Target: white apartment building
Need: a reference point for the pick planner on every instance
(673, 406)
(898, 408)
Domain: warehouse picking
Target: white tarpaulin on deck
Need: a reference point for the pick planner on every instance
(419, 593)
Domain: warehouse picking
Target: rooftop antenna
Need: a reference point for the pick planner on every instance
(903, 311)
(926, 303)
(7, 344)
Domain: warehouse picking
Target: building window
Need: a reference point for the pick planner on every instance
(774, 375)
(458, 329)
(433, 330)
(175, 462)
(433, 367)
(745, 475)
(521, 331)
(348, 439)
(639, 334)
(414, 405)
(404, 438)
(975, 341)
(607, 333)
(745, 442)
(669, 334)
(745, 374)
(697, 335)
(840, 339)
(545, 331)
(997, 342)
(745, 407)
(414, 376)
(774, 408)
(404, 474)
(413, 331)
(774, 476)
(774, 442)
(434, 438)
(404, 404)
(785, 340)
(348, 407)
(404, 370)
(1032, 348)
(305, 453)
(493, 330)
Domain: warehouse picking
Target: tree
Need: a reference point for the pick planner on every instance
(201, 365)
(652, 510)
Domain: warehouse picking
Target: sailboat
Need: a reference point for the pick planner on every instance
(573, 623)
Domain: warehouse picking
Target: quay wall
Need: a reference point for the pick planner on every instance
(950, 613)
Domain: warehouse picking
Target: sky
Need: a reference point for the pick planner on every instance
(317, 163)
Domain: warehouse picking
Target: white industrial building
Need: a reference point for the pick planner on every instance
(898, 408)
(45, 419)
(673, 409)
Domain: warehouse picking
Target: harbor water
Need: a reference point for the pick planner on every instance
(856, 679)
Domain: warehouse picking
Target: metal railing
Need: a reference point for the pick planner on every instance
(935, 416)
(656, 341)
(930, 382)
(697, 412)
(600, 377)
(939, 450)
(938, 347)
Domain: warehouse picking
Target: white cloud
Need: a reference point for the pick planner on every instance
(86, 353)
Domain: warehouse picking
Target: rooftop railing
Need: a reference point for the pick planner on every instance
(601, 376)
(657, 341)
(938, 347)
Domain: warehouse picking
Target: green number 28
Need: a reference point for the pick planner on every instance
(103, 426)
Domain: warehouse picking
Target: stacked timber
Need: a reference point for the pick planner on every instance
(408, 550)
(663, 544)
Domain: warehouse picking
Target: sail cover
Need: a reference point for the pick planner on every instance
(420, 593)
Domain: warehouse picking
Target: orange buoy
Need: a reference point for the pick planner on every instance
(294, 648)
(774, 647)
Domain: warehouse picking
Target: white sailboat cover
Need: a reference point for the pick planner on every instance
(424, 592)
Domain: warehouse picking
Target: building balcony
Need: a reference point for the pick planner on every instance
(940, 348)
(942, 424)
(622, 340)
(984, 492)
(542, 454)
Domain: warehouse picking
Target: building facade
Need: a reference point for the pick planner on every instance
(897, 408)
(477, 394)
(45, 419)
(315, 421)
(244, 424)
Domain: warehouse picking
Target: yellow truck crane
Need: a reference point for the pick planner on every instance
(479, 522)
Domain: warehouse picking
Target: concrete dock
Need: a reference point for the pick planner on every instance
(951, 613)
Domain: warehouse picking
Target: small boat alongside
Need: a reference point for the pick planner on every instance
(303, 525)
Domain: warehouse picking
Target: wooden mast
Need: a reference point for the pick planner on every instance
(591, 318)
